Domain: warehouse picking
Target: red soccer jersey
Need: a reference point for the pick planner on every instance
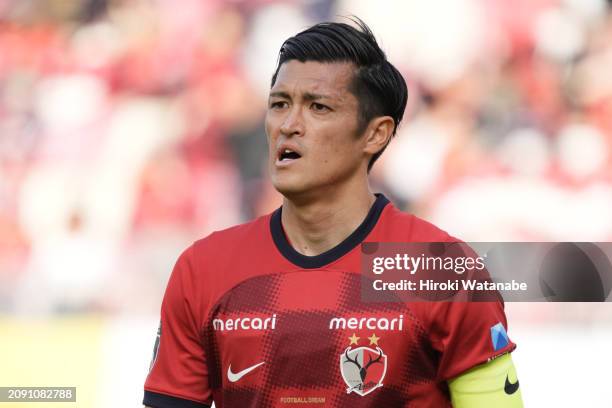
(247, 321)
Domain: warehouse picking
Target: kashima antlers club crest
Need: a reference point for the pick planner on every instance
(363, 368)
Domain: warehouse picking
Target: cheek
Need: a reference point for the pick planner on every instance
(338, 151)
(271, 133)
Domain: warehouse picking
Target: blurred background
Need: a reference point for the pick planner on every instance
(131, 128)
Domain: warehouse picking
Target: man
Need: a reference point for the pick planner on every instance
(269, 313)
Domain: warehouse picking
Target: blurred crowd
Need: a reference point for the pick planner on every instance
(130, 128)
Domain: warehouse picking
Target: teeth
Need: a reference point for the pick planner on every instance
(285, 152)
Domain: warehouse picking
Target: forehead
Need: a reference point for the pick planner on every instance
(329, 78)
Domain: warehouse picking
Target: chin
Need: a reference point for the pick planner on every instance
(290, 186)
(289, 189)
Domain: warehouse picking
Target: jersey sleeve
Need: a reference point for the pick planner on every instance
(178, 375)
(467, 334)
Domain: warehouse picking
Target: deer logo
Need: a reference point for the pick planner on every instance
(363, 369)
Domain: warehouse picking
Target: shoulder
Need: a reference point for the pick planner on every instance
(234, 253)
(217, 262)
(408, 227)
(241, 235)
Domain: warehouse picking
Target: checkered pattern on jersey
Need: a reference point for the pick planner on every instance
(302, 354)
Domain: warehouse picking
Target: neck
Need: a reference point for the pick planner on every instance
(317, 225)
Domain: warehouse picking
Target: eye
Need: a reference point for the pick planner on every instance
(318, 107)
(278, 104)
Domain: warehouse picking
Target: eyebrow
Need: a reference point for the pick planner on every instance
(307, 96)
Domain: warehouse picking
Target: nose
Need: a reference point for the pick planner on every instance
(293, 123)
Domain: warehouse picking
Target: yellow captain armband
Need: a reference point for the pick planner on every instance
(493, 384)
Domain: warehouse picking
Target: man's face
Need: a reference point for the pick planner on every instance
(311, 124)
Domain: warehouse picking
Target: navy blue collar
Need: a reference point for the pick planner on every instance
(327, 257)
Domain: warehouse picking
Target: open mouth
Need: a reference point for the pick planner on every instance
(287, 155)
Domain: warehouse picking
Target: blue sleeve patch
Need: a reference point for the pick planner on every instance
(499, 337)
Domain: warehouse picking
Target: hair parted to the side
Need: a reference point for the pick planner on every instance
(378, 86)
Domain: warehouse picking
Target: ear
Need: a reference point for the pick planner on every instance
(378, 134)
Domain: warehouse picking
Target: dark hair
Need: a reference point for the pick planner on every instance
(379, 87)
